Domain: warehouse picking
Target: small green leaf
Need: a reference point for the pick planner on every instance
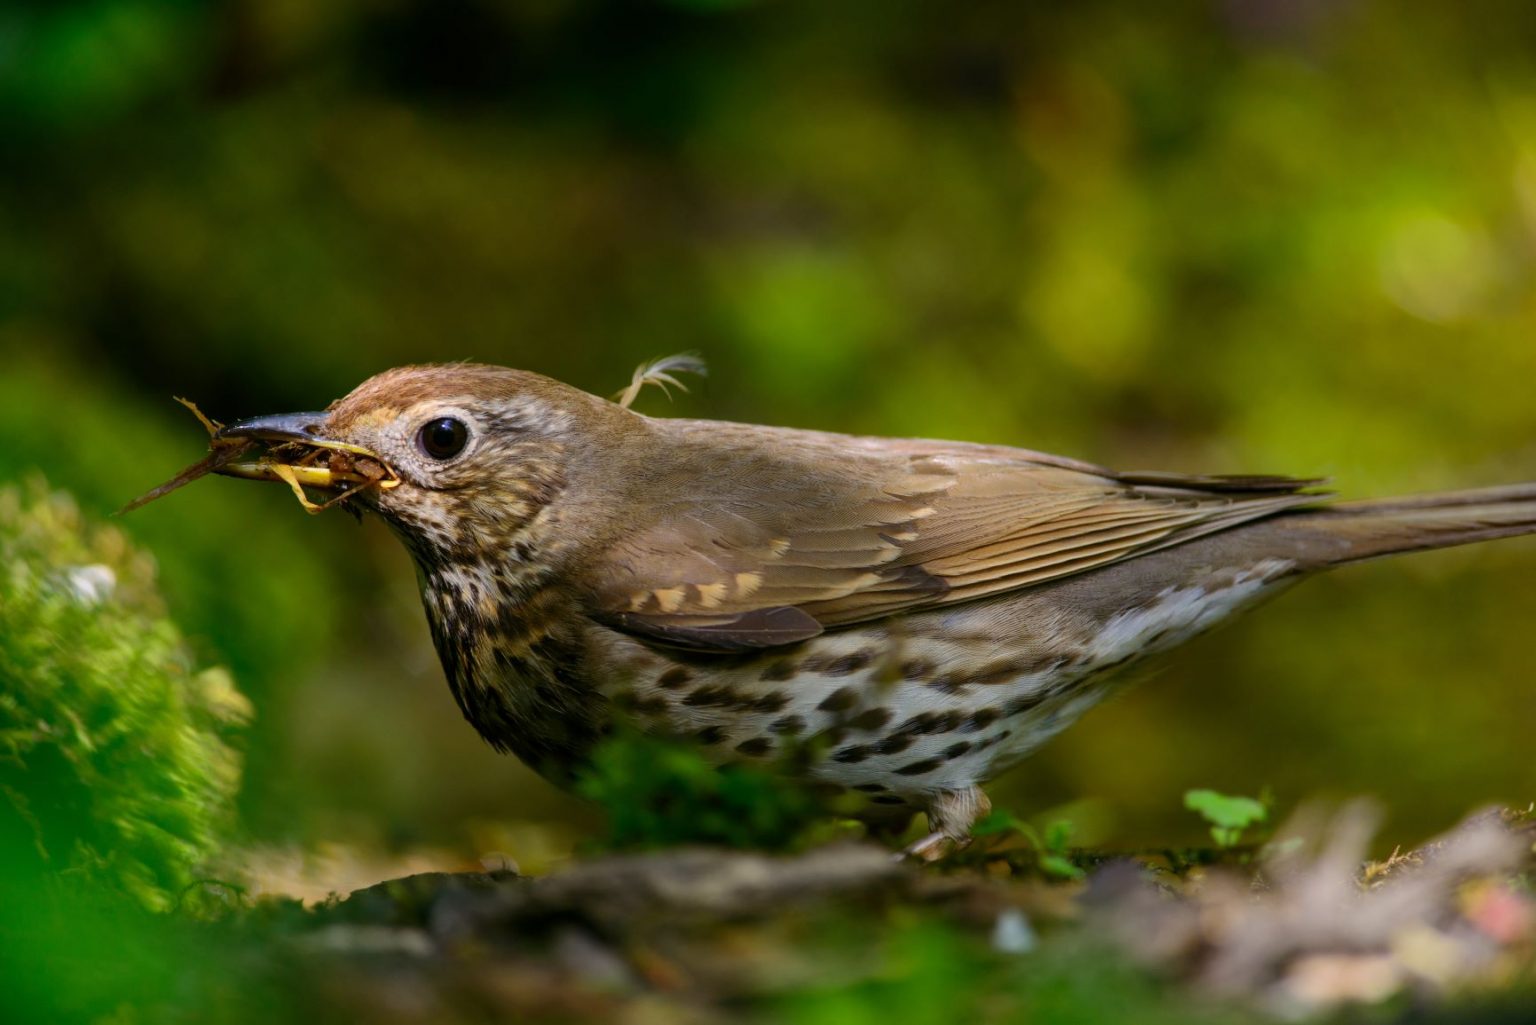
(997, 822)
(1058, 835)
(1059, 866)
(1228, 815)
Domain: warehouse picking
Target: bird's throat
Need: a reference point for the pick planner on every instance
(514, 660)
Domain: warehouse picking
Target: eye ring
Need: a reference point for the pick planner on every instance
(442, 438)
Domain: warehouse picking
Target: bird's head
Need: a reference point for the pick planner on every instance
(472, 454)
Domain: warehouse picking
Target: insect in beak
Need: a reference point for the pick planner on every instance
(288, 447)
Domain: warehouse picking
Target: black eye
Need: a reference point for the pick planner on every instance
(443, 438)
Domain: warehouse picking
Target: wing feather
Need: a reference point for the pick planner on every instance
(884, 527)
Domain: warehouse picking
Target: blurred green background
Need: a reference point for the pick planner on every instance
(1214, 236)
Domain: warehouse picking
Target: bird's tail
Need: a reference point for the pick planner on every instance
(1351, 531)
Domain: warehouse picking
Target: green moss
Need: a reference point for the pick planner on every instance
(240, 570)
(656, 794)
(114, 758)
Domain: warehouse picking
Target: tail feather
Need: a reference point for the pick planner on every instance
(1351, 531)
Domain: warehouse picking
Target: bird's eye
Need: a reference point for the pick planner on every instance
(443, 438)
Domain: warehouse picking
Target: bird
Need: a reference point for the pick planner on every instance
(918, 614)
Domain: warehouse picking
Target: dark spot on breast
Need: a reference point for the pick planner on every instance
(930, 722)
(783, 669)
(948, 683)
(916, 669)
(462, 610)
(673, 678)
(840, 665)
(755, 747)
(832, 736)
(710, 735)
(956, 750)
(918, 768)
(771, 702)
(839, 700)
(871, 788)
(893, 745)
(788, 724)
(1110, 667)
(706, 696)
(1023, 704)
(850, 755)
(980, 719)
(508, 619)
(870, 719)
(1002, 672)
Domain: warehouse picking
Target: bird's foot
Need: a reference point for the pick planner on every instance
(934, 847)
(951, 813)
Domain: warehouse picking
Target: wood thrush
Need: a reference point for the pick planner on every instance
(928, 612)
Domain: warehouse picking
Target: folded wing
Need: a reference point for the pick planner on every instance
(759, 553)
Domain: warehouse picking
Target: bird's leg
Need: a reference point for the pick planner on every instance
(951, 814)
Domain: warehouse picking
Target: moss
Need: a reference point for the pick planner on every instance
(655, 794)
(115, 760)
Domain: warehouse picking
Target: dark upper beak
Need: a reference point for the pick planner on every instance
(305, 427)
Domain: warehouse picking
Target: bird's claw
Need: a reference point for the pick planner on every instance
(934, 847)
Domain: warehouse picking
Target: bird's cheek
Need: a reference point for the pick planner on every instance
(398, 501)
(461, 476)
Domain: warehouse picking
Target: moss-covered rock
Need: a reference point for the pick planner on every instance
(115, 760)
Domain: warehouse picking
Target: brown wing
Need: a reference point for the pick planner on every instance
(758, 552)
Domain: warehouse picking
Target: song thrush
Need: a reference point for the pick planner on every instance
(928, 611)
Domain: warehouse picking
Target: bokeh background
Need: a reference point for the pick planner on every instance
(1207, 235)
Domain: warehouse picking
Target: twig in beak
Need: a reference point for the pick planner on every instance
(212, 426)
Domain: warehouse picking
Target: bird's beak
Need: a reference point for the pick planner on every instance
(292, 448)
(297, 451)
(305, 427)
